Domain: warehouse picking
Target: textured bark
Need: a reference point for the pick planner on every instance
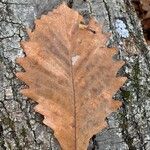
(22, 128)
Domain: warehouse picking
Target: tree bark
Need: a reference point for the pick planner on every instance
(128, 129)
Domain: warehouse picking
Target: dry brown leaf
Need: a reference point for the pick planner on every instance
(70, 73)
(143, 10)
(146, 17)
(146, 7)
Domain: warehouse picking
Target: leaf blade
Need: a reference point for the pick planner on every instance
(66, 69)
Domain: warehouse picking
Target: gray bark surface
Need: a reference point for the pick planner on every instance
(128, 129)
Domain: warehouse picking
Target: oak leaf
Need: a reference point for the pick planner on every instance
(71, 74)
